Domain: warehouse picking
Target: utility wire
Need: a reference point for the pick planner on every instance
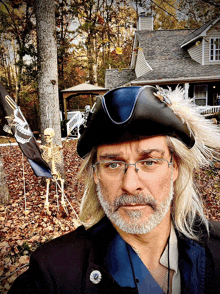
(174, 7)
(192, 30)
(169, 13)
(211, 3)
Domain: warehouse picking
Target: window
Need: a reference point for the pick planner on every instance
(215, 49)
(200, 94)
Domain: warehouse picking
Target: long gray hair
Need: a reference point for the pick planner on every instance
(187, 205)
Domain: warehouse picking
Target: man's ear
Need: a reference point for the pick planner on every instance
(175, 170)
(95, 177)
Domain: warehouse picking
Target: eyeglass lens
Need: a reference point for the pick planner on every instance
(143, 167)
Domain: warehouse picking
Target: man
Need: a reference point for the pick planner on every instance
(144, 230)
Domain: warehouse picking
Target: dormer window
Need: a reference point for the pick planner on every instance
(214, 49)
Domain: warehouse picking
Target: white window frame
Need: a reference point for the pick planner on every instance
(199, 98)
(213, 49)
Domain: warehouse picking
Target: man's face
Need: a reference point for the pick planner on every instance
(137, 201)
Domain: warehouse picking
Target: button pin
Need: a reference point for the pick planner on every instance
(95, 277)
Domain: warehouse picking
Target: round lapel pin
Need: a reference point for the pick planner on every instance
(95, 277)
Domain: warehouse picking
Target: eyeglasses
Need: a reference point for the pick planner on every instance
(116, 168)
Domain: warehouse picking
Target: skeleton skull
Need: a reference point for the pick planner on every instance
(48, 135)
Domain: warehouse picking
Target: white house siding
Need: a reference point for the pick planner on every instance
(213, 32)
(196, 52)
(141, 65)
(145, 23)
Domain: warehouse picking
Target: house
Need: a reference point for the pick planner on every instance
(189, 58)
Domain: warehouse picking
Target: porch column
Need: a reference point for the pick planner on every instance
(65, 107)
(186, 88)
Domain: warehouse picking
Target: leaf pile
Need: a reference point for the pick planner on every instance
(21, 232)
(208, 184)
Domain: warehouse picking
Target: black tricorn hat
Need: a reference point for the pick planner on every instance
(129, 113)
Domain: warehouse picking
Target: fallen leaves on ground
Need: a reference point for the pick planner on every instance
(25, 225)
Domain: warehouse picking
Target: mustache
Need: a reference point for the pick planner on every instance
(140, 199)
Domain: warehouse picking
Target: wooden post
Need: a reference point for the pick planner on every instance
(65, 107)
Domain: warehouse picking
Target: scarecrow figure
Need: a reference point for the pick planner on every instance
(51, 154)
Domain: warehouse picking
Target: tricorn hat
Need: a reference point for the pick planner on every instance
(130, 113)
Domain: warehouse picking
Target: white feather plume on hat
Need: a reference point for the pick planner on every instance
(206, 134)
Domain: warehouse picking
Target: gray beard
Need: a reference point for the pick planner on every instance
(135, 224)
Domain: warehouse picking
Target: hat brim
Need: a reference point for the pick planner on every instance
(128, 113)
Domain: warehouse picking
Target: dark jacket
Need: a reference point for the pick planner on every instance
(64, 265)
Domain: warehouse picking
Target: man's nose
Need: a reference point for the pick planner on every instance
(131, 183)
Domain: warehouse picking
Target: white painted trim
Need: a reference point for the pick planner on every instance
(159, 81)
(186, 89)
(203, 51)
(134, 53)
(206, 98)
(152, 26)
(148, 65)
(203, 34)
(213, 37)
(211, 25)
(191, 40)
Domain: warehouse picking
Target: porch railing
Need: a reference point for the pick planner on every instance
(73, 125)
(77, 119)
(209, 109)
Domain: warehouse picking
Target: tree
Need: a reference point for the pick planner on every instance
(4, 194)
(16, 23)
(63, 22)
(47, 67)
(198, 12)
(105, 25)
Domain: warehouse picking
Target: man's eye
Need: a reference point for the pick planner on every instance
(112, 165)
(150, 162)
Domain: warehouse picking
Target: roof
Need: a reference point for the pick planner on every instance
(168, 60)
(186, 70)
(162, 44)
(198, 33)
(85, 88)
(118, 78)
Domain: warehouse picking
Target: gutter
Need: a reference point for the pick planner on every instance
(175, 80)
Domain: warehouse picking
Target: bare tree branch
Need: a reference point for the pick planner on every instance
(212, 3)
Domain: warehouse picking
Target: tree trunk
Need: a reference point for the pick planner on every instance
(48, 68)
(4, 194)
(48, 71)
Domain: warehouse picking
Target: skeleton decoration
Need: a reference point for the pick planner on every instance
(51, 154)
(39, 161)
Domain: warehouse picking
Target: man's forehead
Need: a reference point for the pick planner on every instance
(141, 147)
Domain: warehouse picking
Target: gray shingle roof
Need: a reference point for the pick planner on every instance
(181, 69)
(163, 45)
(196, 33)
(168, 60)
(115, 78)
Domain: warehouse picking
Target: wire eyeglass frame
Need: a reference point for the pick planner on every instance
(149, 160)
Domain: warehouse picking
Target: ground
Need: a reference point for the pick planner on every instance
(23, 230)
(24, 223)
